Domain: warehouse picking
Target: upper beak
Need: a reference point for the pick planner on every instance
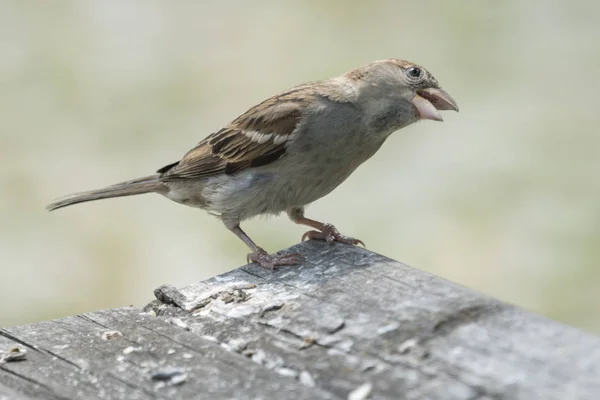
(429, 101)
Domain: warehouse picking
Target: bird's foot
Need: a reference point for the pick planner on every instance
(270, 261)
(330, 234)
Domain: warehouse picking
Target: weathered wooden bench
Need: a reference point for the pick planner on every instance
(348, 323)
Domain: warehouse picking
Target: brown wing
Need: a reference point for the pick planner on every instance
(257, 137)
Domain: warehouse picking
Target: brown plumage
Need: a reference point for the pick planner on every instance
(255, 138)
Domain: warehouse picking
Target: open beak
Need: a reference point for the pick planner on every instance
(429, 101)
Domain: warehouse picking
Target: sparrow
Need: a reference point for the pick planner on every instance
(291, 150)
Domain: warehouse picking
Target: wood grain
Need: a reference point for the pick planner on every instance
(348, 323)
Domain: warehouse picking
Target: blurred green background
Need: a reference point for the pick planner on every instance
(503, 197)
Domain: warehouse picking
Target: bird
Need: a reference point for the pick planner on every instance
(291, 150)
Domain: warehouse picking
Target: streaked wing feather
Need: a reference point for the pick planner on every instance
(257, 137)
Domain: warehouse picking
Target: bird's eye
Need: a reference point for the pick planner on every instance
(414, 72)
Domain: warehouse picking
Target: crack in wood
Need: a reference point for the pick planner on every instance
(468, 315)
(8, 335)
(49, 393)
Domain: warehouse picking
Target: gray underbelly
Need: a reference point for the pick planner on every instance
(257, 192)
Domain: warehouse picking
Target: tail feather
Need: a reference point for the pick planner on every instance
(147, 184)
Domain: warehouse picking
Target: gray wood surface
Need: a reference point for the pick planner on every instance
(348, 323)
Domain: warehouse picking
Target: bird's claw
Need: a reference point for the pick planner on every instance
(270, 261)
(330, 234)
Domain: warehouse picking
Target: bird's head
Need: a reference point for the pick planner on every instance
(402, 85)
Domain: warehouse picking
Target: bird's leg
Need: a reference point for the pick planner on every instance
(260, 256)
(326, 232)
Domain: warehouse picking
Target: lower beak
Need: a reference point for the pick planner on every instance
(429, 101)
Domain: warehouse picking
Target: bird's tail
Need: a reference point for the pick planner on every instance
(147, 184)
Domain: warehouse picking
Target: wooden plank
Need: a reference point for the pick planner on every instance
(7, 393)
(348, 317)
(347, 323)
(125, 354)
(46, 375)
